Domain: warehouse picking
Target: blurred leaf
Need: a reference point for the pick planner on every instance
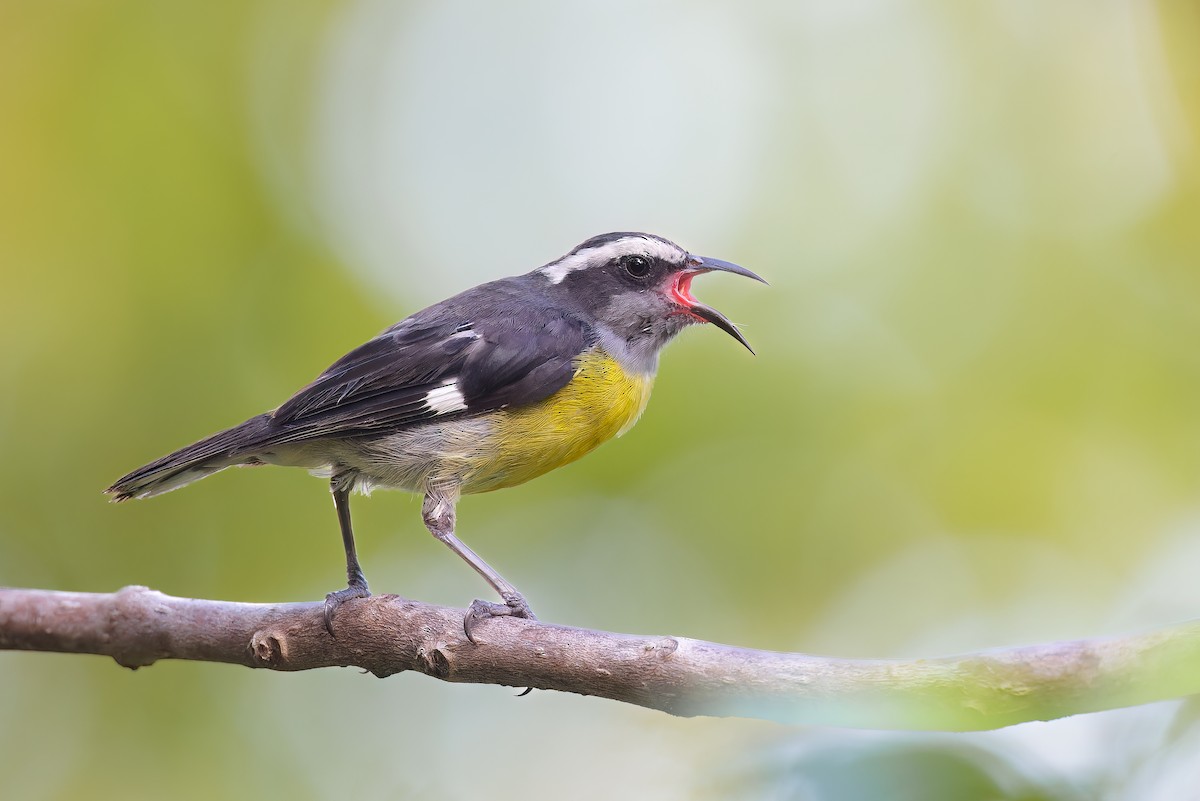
(899, 770)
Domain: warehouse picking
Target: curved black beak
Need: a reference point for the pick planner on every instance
(698, 265)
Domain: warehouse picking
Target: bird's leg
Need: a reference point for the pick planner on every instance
(438, 513)
(356, 582)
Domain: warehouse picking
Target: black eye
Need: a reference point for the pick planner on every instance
(636, 266)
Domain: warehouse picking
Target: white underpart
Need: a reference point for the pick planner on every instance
(446, 398)
(596, 257)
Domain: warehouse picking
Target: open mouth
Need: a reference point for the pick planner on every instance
(681, 293)
(681, 290)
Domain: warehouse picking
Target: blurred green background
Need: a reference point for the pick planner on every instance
(974, 419)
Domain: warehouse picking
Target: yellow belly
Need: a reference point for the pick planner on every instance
(602, 401)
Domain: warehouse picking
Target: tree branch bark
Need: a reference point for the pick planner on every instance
(387, 634)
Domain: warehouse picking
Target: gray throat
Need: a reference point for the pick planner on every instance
(637, 353)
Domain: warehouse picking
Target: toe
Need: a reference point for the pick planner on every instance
(335, 599)
(482, 610)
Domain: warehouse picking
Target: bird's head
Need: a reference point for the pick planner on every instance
(638, 288)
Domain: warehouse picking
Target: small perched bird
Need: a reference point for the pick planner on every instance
(485, 390)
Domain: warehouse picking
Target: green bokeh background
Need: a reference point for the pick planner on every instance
(974, 419)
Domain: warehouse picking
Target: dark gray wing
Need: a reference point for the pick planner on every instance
(485, 349)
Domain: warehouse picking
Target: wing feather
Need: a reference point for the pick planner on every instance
(488, 344)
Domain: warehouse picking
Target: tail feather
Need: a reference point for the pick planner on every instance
(233, 446)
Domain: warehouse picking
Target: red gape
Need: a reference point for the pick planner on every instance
(681, 292)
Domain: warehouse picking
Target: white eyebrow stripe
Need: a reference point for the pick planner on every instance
(446, 398)
(628, 246)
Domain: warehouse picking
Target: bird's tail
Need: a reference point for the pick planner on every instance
(233, 446)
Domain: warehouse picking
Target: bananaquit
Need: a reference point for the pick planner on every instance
(485, 390)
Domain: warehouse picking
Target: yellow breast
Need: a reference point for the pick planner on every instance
(600, 402)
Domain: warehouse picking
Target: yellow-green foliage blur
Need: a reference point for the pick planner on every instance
(973, 421)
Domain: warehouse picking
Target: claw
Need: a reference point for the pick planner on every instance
(335, 599)
(513, 606)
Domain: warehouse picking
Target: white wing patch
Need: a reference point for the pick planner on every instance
(446, 398)
(596, 257)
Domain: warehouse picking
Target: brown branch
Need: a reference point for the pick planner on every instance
(387, 634)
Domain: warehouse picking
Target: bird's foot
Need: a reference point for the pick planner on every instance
(514, 606)
(335, 599)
